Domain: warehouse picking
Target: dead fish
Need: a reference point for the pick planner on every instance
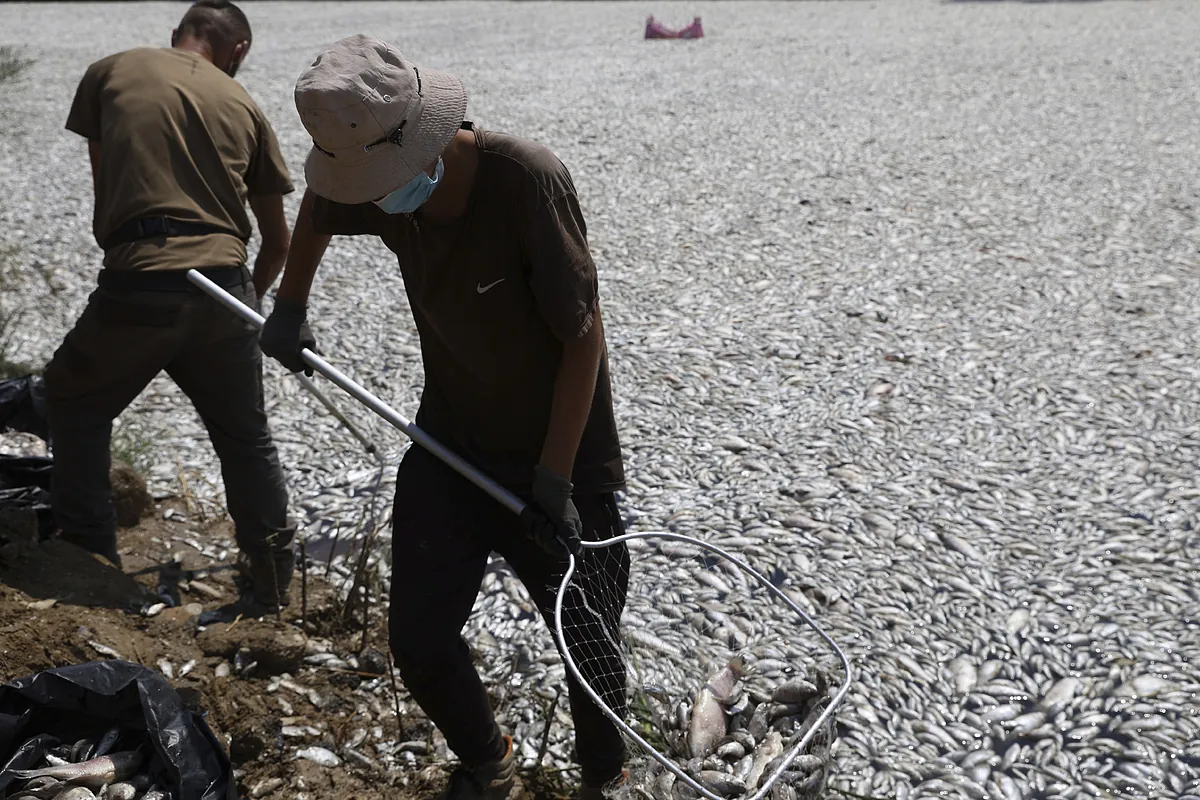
(318, 755)
(656, 691)
(741, 705)
(731, 751)
(80, 751)
(720, 782)
(771, 749)
(794, 691)
(1017, 620)
(664, 786)
(94, 773)
(34, 784)
(1060, 694)
(964, 674)
(707, 725)
(725, 683)
(106, 743)
(76, 793)
(48, 790)
(118, 791)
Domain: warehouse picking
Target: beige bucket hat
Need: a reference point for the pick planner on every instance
(376, 119)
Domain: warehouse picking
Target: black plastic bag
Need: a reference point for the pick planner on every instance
(19, 472)
(84, 700)
(25, 484)
(23, 406)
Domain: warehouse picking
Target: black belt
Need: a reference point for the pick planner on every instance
(150, 227)
(169, 279)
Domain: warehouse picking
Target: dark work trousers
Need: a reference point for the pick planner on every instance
(445, 527)
(135, 326)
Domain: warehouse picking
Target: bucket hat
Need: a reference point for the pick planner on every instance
(375, 118)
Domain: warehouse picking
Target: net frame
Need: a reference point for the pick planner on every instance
(768, 782)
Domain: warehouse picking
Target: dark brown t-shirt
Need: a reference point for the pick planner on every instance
(178, 138)
(494, 295)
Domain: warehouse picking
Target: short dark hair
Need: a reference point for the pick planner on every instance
(216, 20)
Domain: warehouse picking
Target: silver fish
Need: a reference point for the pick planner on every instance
(118, 791)
(318, 755)
(720, 782)
(708, 724)
(768, 751)
(94, 773)
(76, 793)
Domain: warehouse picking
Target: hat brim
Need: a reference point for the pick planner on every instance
(388, 167)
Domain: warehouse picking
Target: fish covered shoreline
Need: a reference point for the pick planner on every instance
(900, 306)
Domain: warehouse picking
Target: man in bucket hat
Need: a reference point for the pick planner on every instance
(493, 250)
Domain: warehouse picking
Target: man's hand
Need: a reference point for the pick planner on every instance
(552, 520)
(286, 333)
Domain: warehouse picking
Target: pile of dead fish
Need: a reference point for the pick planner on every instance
(88, 769)
(737, 732)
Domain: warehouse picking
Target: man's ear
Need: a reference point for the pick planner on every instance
(174, 36)
(240, 51)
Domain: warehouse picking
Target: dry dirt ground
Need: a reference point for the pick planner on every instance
(60, 605)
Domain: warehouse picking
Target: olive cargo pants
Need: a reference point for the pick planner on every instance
(135, 326)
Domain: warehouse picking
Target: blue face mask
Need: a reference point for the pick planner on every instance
(409, 197)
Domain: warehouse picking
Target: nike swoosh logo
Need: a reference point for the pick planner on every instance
(481, 288)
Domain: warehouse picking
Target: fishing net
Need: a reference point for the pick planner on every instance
(722, 684)
(657, 646)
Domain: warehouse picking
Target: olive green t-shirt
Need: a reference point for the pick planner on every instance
(494, 295)
(178, 138)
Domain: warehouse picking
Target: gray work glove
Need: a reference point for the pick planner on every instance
(286, 333)
(551, 519)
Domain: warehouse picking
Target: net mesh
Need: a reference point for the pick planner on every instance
(709, 667)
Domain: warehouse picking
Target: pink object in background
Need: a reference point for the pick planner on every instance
(656, 30)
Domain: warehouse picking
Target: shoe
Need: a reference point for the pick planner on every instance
(491, 781)
(104, 547)
(603, 792)
(269, 576)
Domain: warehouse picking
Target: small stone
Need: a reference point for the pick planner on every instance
(373, 661)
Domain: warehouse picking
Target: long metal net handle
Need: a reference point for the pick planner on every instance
(516, 505)
(502, 495)
(620, 723)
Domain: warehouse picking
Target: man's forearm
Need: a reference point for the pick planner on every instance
(304, 256)
(267, 266)
(574, 388)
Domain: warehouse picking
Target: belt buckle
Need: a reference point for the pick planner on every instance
(152, 226)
